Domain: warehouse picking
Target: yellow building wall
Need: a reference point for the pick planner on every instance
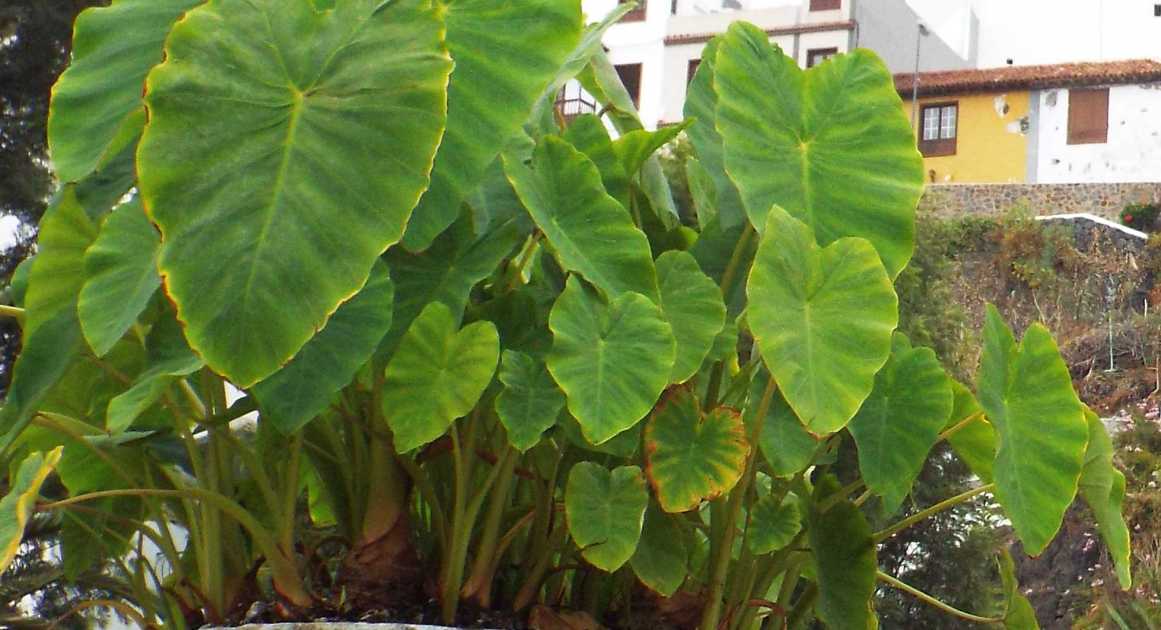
(990, 146)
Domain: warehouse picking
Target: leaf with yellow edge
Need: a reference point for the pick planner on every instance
(16, 506)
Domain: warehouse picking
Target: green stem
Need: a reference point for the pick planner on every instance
(13, 313)
(805, 602)
(720, 562)
(279, 564)
(934, 602)
(487, 552)
(960, 425)
(935, 509)
(840, 496)
(736, 261)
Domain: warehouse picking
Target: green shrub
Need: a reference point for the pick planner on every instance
(1141, 216)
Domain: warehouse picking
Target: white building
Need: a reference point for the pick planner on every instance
(657, 47)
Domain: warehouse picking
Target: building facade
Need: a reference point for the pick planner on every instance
(657, 47)
(1080, 123)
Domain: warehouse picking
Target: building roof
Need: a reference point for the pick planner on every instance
(1031, 77)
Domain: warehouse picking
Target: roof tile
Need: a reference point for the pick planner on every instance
(1031, 77)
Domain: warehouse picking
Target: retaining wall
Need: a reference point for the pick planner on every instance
(1105, 200)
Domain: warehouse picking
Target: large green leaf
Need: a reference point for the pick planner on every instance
(773, 524)
(16, 506)
(605, 511)
(303, 389)
(1103, 489)
(592, 234)
(444, 272)
(530, 402)
(100, 92)
(506, 53)
(972, 437)
(612, 360)
(437, 375)
(661, 560)
(692, 302)
(313, 146)
(822, 317)
(845, 563)
(897, 426)
(832, 145)
(1027, 394)
(689, 456)
(701, 104)
(120, 276)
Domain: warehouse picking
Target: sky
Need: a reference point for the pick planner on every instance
(1055, 31)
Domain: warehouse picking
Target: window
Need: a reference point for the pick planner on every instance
(1088, 116)
(638, 12)
(630, 74)
(693, 64)
(1157, 10)
(572, 101)
(825, 5)
(816, 56)
(939, 130)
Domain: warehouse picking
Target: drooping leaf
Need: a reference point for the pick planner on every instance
(845, 564)
(99, 95)
(701, 104)
(444, 272)
(530, 402)
(592, 234)
(120, 276)
(297, 393)
(1027, 394)
(831, 145)
(703, 191)
(689, 456)
(506, 53)
(900, 422)
(774, 524)
(661, 560)
(1103, 489)
(612, 360)
(692, 303)
(169, 357)
(437, 375)
(1018, 611)
(787, 446)
(605, 511)
(822, 317)
(16, 506)
(313, 148)
(974, 441)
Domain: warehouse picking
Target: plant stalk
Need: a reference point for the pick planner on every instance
(933, 601)
(935, 509)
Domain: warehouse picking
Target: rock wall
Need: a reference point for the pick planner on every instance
(1105, 200)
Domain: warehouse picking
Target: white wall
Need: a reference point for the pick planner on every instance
(890, 27)
(1133, 150)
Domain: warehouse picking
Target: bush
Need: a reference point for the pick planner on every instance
(1140, 216)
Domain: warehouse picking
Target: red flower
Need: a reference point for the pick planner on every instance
(1128, 218)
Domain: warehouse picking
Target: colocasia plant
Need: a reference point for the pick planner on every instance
(333, 309)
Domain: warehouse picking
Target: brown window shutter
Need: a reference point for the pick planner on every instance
(1088, 116)
(693, 64)
(635, 15)
(630, 74)
(825, 5)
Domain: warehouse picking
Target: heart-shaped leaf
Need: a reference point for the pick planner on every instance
(120, 276)
(1027, 394)
(605, 512)
(970, 434)
(437, 375)
(530, 401)
(691, 457)
(773, 524)
(505, 54)
(692, 302)
(845, 563)
(303, 389)
(16, 506)
(701, 104)
(897, 426)
(661, 560)
(822, 317)
(592, 234)
(313, 146)
(1103, 489)
(100, 93)
(612, 360)
(832, 145)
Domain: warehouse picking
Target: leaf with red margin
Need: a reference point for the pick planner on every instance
(691, 456)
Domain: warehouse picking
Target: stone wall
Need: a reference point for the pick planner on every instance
(1105, 200)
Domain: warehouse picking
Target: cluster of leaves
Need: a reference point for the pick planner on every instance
(1141, 216)
(481, 344)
